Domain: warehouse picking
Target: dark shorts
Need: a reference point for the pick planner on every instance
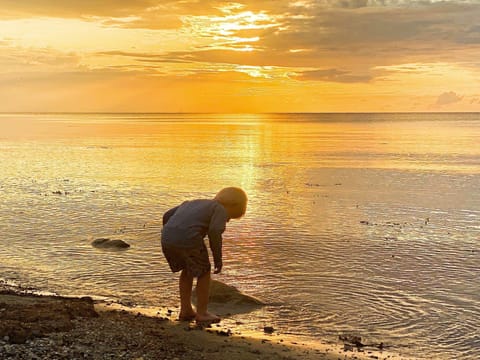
(194, 260)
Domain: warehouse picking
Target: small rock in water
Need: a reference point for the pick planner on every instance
(106, 243)
(351, 340)
(268, 329)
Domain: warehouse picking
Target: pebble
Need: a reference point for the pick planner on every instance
(268, 329)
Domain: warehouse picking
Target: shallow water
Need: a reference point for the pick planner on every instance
(357, 223)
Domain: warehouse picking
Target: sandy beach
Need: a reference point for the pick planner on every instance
(54, 327)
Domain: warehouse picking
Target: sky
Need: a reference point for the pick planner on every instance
(239, 56)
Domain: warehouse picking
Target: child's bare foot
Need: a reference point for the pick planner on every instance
(187, 316)
(207, 318)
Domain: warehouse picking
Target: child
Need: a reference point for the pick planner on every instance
(183, 233)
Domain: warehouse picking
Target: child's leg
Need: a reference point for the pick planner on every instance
(203, 291)
(185, 284)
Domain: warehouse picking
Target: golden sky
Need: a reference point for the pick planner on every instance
(239, 56)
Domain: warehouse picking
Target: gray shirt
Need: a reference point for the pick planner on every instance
(187, 225)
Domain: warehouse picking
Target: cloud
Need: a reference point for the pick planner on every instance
(130, 14)
(138, 56)
(21, 60)
(470, 36)
(295, 42)
(321, 25)
(360, 35)
(383, 3)
(378, 26)
(448, 98)
(333, 75)
(152, 21)
(306, 35)
(71, 8)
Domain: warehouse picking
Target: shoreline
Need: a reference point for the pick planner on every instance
(50, 326)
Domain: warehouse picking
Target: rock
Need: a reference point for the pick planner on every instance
(19, 335)
(38, 316)
(227, 332)
(106, 243)
(352, 340)
(268, 329)
(222, 293)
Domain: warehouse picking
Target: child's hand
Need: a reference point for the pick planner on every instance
(218, 268)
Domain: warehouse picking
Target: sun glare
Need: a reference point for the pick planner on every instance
(225, 32)
(253, 71)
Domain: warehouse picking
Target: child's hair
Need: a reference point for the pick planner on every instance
(235, 198)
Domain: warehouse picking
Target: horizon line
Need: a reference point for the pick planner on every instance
(236, 113)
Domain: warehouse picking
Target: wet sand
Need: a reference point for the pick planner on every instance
(53, 327)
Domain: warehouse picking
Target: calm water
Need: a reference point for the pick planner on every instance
(357, 223)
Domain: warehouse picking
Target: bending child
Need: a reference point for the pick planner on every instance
(184, 230)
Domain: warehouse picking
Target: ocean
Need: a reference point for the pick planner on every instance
(365, 224)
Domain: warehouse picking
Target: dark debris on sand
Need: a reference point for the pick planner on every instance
(50, 327)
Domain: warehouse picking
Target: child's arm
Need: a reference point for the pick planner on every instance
(168, 215)
(216, 228)
(215, 240)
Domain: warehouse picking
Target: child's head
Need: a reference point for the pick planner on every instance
(234, 200)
